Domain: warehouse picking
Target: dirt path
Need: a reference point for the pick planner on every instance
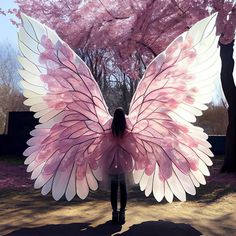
(29, 213)
(211, 212)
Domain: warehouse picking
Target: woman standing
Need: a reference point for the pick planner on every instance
(116, 173)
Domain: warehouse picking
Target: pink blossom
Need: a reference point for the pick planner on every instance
(129, 30)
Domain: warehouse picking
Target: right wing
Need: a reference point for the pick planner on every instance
(171, 155)
(65, 149)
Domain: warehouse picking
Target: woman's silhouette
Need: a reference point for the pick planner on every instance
(118, 178)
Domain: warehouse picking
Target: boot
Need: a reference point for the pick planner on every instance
(122, 217)
(115, 217)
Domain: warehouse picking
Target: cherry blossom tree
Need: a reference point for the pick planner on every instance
(128, 28)
(132, 33)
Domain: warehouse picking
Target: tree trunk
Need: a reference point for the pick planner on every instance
(227, 80)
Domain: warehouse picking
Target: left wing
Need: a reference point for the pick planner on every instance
(171, 155)
(59, 87)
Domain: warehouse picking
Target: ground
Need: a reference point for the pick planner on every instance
(25, 212)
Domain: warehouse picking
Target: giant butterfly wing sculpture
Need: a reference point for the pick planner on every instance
(173, 155)
(62, 91)
(165, 152)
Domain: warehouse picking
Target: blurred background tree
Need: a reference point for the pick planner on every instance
(11, 98)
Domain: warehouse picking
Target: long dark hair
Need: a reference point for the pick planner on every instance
(118, 123)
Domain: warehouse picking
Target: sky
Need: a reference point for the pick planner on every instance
(8, 31)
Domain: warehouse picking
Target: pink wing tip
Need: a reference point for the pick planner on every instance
(46, 42)
(194, 90)
(67, 52)
(189, 99)
(183, 128)
(173, 103)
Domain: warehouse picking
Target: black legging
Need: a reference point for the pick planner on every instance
(115, 181)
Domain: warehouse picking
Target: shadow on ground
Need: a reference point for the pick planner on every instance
(160, 228)
(148, 228)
